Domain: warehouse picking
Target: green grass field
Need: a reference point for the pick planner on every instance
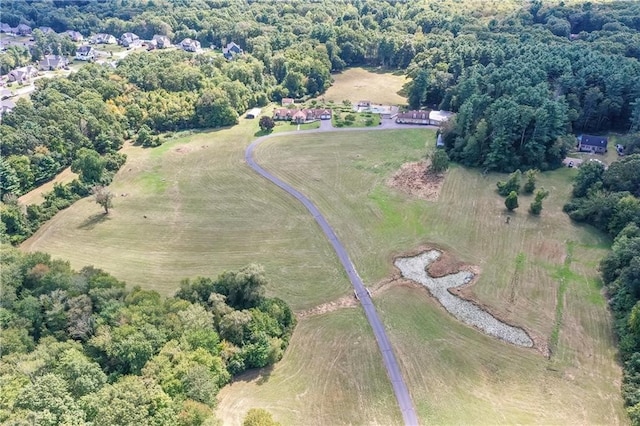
(207, 211)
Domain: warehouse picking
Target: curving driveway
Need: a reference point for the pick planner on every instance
(393, 370)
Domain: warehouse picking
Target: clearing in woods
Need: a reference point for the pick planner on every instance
(207, 211)
(357, 84)
(35, 196)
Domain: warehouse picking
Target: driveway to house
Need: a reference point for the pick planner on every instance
(391, 364)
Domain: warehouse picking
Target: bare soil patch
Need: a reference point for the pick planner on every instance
(348, 301)
(415, 179)
(446, 264)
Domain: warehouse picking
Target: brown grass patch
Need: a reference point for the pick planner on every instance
(415, 179)
(348, 301)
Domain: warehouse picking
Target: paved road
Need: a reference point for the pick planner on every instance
(393, 370)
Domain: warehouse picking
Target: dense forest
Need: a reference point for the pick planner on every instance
(78, 348)
(524, 77)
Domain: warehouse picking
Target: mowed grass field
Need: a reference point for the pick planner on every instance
(357, 84)
(207, 211)
(35, 196)
(192, 207)
(456, 374)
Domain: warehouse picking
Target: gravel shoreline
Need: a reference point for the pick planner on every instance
(414, 268)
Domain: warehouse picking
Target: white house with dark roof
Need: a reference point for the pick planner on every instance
(85, 53)
(593, 144)
(231, 50)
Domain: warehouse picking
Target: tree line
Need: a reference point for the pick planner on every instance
(609, 199)
(80, 348)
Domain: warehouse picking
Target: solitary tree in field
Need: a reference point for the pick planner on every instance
(439, 161)
(103, 197)
(511, 202)
(266, 123)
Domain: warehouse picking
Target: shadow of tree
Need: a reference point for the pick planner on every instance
(261, 374)
(94, 220)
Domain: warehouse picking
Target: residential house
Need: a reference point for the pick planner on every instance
(23, 74)
(364, 104)
(283, 114)
(301, 115)
(74, 36)
(593, 144)
(254, 113)
(130, 40)
(46, 30)
(52, 62)
(6, 106)
(22, 30)
(5, 93)
(413, 117)
(287, 101)
(231, 50)
(161, 41)
(5, 28)
(190, 45)
(85, 53)
(438, 118)
(103, 38)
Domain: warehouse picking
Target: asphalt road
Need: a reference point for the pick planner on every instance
(393, 370)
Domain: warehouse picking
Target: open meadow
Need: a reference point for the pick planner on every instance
(356, 84)
(206, 211)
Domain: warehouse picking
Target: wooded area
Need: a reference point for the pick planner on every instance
(78, 347)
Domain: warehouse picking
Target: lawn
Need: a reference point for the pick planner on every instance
(377, 86)
(579, 383)
(35, 195)
(191, 207)
(206, 211)
(345, 117)
(331, 374)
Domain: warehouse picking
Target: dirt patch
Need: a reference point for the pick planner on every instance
(415, 179)
(182, 150)
(446, 264)
(348, 301)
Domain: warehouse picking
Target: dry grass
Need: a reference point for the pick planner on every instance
(35, 196)
(356, 84)
(206, 211)
(579, 384)
(331, 374)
